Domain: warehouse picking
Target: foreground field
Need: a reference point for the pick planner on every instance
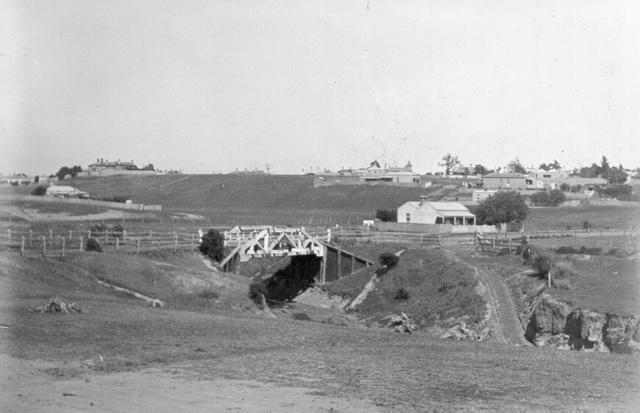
(185, 356)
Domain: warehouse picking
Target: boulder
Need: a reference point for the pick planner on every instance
(585, 330)
(622, 334)
(547, 319)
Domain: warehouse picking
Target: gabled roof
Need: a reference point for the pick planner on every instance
(505, 175)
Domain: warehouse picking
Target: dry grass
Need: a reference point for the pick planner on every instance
(396, 371)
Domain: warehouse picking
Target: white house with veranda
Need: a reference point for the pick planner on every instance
(425, 212)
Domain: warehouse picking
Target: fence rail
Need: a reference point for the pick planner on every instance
(62, 243)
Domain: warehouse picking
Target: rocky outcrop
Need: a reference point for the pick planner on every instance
(622, 334)
(585, 330)
(553, 323)
(547, 319)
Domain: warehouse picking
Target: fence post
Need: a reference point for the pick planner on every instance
(70, 234)
(138, 246)
(88, 234)
(50, 238)
(192, 240)
(124, 235)
(175, 241)
(80, 243)
(117, 243)
(9, 237)
(44, 246)
(22, 246)
(30, 237)
(63, 246)
(106, 236)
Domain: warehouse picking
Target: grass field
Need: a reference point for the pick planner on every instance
(394, 371)
(572, 218)
(439, 290)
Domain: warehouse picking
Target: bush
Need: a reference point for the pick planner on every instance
(256, 290)
(552, 198)
(388, 260)
(564, 269)
(542, 265)
(208, 294)
(566, 250)
(387, 215)
(93, 245)
(213, 245)
(590, 251)
(39, 190)
(401, 294)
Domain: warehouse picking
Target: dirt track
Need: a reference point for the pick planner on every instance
(507, 327)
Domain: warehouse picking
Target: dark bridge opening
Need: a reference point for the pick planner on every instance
(293, 279)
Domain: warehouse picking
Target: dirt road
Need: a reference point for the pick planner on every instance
(506, 326)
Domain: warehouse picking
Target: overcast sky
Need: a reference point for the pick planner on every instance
(208, 86)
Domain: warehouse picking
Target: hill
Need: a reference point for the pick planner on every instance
(255, 198)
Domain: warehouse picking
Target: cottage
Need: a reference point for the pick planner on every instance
(509, 181)
(65, 191)
(424, 212)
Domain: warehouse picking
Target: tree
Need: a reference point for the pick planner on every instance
(213, 245)
(516, 167)
(62, 172)
(39, 190)
(449, 161)
(549, 166)
(480, 170)
(503, 207)
(387, 215)
(615, 175)
(552, 198)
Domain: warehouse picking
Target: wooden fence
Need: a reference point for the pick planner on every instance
(50, 243)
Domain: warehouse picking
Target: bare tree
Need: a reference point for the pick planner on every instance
(449, 161)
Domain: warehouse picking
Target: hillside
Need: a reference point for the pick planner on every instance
(246, 198)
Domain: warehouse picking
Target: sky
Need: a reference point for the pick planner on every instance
(215, 86)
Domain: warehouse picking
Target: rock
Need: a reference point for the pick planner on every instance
(548, 318)
(584, 328)
(621, 334)
(402, 323)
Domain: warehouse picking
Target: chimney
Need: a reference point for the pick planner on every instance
(423, 199)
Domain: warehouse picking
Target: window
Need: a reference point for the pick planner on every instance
(408, 218)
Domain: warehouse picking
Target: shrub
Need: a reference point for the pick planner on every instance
(301, 316)
(388, 259)
(213, 245)
(566, 250)
(93, 245)
(590, 251)
(564, 269)
(387, 215)
(39, 190)
(401, 294)
(561, 284)
(542, 264)
(256, 290)
(552, 198)
(209, 294)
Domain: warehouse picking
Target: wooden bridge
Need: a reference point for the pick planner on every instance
(260, 241)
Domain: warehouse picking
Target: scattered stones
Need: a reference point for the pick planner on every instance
(584, 328)
(548, 318)
(402, 323)
(55, 305)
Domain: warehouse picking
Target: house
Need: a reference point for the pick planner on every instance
(65, 191)
(425, 212)
(104, 167)
(508, 181)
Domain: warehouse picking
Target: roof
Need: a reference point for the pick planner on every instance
(62, 188)
(448, 206)
(506, 175)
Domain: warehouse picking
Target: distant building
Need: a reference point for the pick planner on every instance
(506, 181)
(65, 191)
(425, 212)
(104, 167)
